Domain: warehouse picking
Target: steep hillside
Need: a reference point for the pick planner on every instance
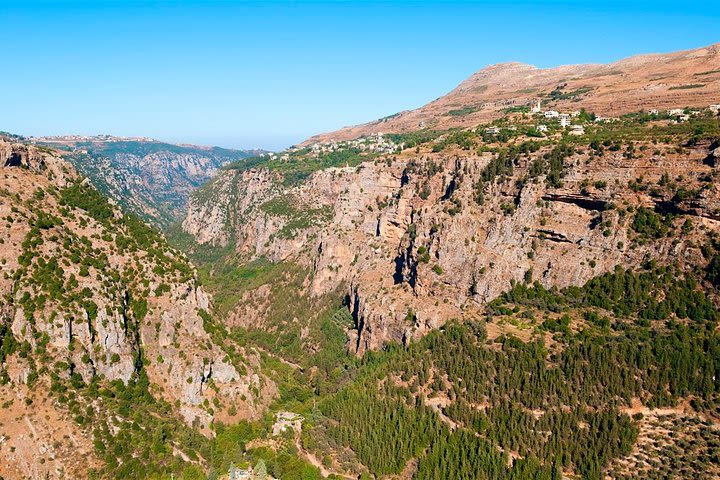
(149, 178)
(514, 301)
(103, 326)
(432, 233)
(592, 382)
(660, 81)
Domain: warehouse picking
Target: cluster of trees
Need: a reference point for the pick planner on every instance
(8, 346)
(300, 165)
(557, 409)
(649, 224)
(655, 293)
(464, 139)
(501, 166)
(135, 435)
(131, 235)
(553, 164)
(383, 431)
(463, 454)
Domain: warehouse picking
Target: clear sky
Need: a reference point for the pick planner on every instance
(269, 74)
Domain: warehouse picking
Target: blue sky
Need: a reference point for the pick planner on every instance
(269, 74)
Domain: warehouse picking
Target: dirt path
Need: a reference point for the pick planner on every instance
(279, 358)
(310, 457)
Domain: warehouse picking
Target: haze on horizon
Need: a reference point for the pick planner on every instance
(270, 74)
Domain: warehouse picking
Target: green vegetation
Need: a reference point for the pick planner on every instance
(650, 224)
(578, 387)
(296, 218)
(519, 109)
(127, 449)
(8, 346)
(687, 87)
(652, 294)
(560, 94)
(413, 139)
(131, 234)
(84, 239)
(366, 420)
(464, 139)
(501, 167)
(460, 112)
(301, 165)
(709, 72)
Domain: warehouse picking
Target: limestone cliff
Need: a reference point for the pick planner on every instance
(428, 235)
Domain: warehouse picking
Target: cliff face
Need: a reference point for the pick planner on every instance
(433, 220)
(422, 237)
(90, 294)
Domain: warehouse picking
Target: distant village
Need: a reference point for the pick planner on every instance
(569, 121)
(376, 143)
(88, 138)
(566, 119)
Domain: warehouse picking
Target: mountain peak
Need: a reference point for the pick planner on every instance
(649, 81)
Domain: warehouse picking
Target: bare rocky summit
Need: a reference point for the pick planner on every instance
(657, 81)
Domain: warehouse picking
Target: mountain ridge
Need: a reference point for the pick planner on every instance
(486, 90)
(147, 177)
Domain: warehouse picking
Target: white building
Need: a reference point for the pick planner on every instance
(674, 112)
(715, 108)
(564, 122)
(653, 112)
(492, 130)
(286, 421)
(542, 128)
(552, 114)
(240, 473)
(536, 108)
